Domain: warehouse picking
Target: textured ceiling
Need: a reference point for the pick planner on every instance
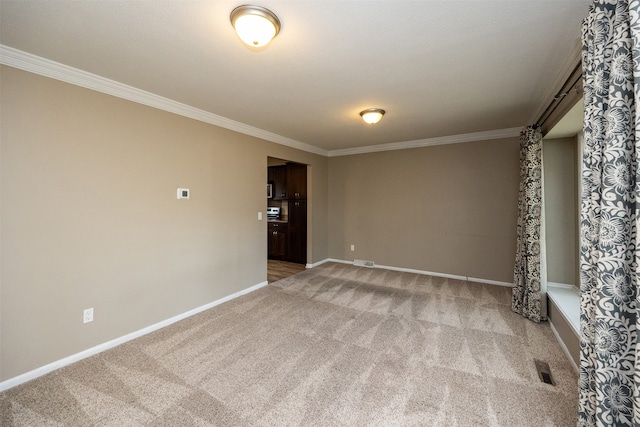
(438, 68)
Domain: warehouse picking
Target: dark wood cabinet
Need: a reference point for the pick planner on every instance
(278, 178)
(297, 181)
(277, 240)
(297, 232)
(288, 240)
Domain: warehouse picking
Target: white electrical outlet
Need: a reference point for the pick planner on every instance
(87, 315)
(353, 248)
(259, 216)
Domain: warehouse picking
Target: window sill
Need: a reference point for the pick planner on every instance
(567, 299)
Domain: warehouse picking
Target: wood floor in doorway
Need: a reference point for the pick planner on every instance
(277, 270)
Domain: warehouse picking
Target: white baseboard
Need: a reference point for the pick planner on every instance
(411, 270)
(43, 370)
(38, 372)
(326, 260)
(490, 282)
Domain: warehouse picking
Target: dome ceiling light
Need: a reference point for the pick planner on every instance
(255, 25)
(372, 115)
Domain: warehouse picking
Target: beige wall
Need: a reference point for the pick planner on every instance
(447, 209)
(561, 210)
(89, 217)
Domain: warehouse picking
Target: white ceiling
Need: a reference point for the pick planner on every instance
(438, 68)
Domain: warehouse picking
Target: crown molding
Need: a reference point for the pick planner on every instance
(442, 140)
(34, 64)
(571, 62)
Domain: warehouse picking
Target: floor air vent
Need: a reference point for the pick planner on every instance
(544, 372)
(363, 263)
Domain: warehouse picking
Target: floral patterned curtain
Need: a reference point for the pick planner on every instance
(529, 292)
(609, 302)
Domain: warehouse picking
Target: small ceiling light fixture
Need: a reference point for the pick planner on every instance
(372, 115)
(255, 25)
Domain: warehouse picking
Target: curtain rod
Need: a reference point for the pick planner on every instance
(565, 99)
(563, 94)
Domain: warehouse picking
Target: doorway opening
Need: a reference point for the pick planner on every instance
(278, 270)
(287, 218)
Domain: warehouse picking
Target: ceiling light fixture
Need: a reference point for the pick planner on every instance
(372, 115)
(255, 25)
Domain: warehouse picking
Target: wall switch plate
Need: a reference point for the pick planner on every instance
(87, 315)
(183, 193)
(353, 248)
(259, 216)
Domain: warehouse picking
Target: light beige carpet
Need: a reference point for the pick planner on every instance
(335, 345)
